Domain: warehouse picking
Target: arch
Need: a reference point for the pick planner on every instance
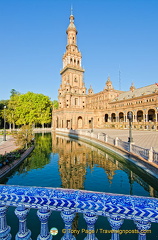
(113, 117)
(139, 116)
(106, 117)
(121, 117)
(151, 115)
(80, 122)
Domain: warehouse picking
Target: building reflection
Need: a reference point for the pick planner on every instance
(75, 158)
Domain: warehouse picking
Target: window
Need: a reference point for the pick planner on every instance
(76, 101)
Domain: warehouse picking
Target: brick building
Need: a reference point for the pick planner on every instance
(106, 109)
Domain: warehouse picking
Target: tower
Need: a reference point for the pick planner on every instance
(72, 91)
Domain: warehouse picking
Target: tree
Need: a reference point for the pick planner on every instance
(11, 110)
(33, 108)
(2, 104)
(14, 92)
(24, 136)
(55, 104)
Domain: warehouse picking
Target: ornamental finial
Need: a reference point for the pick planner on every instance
(71, 10)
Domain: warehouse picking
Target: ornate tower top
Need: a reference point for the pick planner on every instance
(132, 87)
(108, 84)
(72, 92)
(71, 31)
(90, 90)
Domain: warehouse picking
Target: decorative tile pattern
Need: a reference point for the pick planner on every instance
(105, 204)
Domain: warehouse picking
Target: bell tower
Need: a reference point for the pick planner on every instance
(72, 91)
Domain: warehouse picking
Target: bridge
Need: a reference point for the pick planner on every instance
(115, 207)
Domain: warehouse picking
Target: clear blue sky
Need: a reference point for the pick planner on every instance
(112, 35)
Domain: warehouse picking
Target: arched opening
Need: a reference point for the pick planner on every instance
(80, 122)
(113, 117)
(106, 117)
(151, 115)
(139, 116)
(121, 117)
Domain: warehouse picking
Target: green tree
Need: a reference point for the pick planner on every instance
(14, 92)
(11, 110)
(55, 104)
(33, 108)
(2, 104)
(24, 136)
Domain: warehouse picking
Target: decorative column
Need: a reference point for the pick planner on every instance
(116, 141)
(4, 229)
(68, 217)
(43, 215)
(90, 220)
(106, 138)
(151, 155)
(142, 226)
(115, 223)
(21, 212)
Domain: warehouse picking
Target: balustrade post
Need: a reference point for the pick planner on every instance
(68, 217)
(4, 229)
(142, 226)
(106, 138)
(43, 215)
(90, 220)
(21, 212)
(151, 154)
(98, 135)
(115, 223)
(116, 141)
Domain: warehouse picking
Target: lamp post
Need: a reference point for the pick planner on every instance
(4, 135)
(130, 118)
(92, 123)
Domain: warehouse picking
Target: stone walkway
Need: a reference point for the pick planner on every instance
(8, 145)
(145, 139)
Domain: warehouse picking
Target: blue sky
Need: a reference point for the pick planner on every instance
(113, 36)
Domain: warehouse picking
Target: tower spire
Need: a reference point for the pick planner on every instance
(71, 10)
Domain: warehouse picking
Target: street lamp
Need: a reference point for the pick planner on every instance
(130, 118)
(92, 124)
(4, 135)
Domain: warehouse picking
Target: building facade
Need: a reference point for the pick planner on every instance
(109, 108)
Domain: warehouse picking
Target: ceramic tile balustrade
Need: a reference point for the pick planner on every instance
(116, 207)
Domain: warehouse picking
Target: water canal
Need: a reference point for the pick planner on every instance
(59, 161)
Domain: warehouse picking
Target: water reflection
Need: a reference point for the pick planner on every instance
(40, 156)
(59, 161)
(76, 157)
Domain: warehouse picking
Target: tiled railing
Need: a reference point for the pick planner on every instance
(115, 207)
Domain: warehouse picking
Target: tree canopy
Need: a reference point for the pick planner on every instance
(33, 108)
(28, 109)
